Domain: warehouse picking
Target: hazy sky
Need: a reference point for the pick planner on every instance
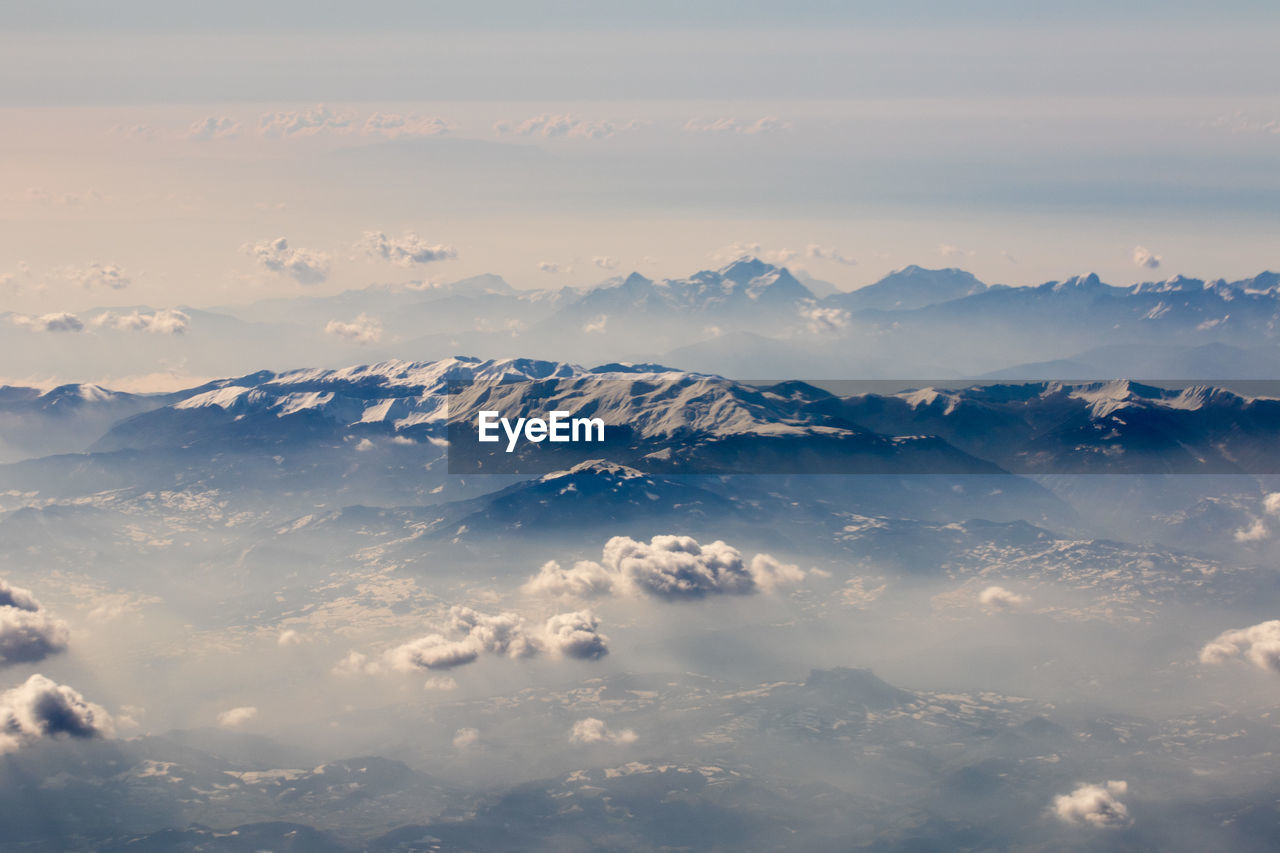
(1025, 142)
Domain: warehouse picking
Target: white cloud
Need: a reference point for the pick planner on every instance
(307, 122)
(826, 253)
(1271, 503)
(1258, 644)
(41, 708)
(168, 321)
(1096, 806)
(605, 263)
(576, 635)
(464, 738)
(97, 276)
(28, 632)
(593, 730)
(362, 330)
(999, 598)
(60, 321)
(1255, 532)
(596, 326)
(548, 266)
(395, 125)
(824, 320)
(954, 253)
(674, 567)
(668, 567)
(213, 127)
(1143, 257)
(355, 663)
(290, 637)
(302, 265)
(405, 250)
(443, 682)
(472, 634)
(235, 717)
(586, 579)
(562, 126)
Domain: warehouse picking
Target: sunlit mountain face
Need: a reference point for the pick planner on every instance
(715, 426)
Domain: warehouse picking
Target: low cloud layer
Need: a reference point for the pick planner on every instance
(671, 568)
(472, 634)
(1258, 644)
(28, 633)
(41, 708)
(1097, 806)
(302, 265)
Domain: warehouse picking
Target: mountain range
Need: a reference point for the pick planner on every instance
(747, 319)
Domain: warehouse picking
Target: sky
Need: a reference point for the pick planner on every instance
(155, 153)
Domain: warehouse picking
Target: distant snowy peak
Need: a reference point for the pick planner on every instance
(910, 288)
(744, 285)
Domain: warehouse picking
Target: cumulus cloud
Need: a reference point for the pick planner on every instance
(28, 632)
(954, 253)
(675, 567)
(605, 263)
(98, 276)
(60, 321)
(213, 127)
(290, 637)
(764, 124)
(362, 330)
(548, 266)
(464, 738)
(593, 730)
(168, 321)
(1256, 531)
(666, 567)
(825, 253)
(306, 122)
(355, 663)
(472, 634)
(824, 320)
(302, 265)
(1143, 257)
(1097, 806)
(1271, 503)
(40, 708)
(999, 598)
(596, 326)
(576, 635)
(234, 717)
(563, 126)
(1258, 644)
(405, 250)
(586, 579)
(395, 125)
